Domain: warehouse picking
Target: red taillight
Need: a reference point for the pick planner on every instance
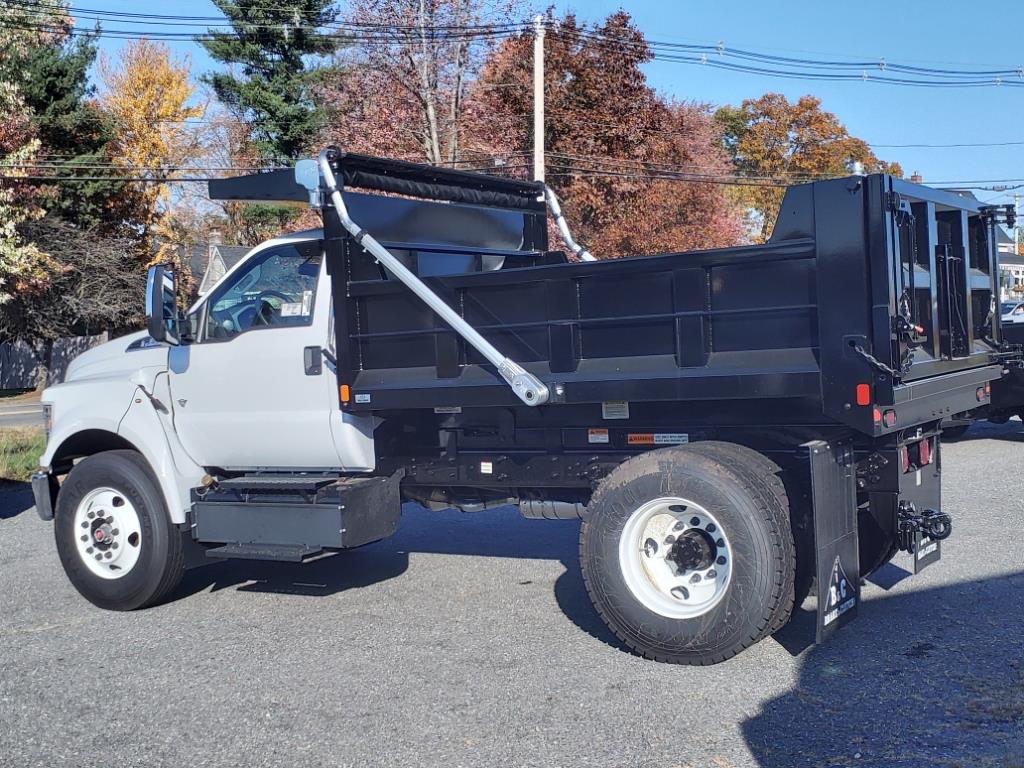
(924, 452)
(904, 459)
(877, 416)
(863, 394)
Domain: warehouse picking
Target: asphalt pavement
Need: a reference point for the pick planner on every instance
(468, 640)
(24, 413)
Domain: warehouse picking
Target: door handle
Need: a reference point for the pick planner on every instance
(313, 360)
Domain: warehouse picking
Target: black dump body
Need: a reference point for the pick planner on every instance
(867, 316)
(795, 326)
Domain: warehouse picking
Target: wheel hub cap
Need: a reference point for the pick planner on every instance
(108, 533)
(694, 550)
(675, 557)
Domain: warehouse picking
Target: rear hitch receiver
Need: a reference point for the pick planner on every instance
(912, 525)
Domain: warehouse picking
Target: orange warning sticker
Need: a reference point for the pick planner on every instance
(597, 435)
(658, 438)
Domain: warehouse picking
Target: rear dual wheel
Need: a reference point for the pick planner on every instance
(687, 553)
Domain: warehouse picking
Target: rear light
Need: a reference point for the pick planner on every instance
(904, 459)
(877, 416)
(889, 418)
(924, 453)
(863, 394)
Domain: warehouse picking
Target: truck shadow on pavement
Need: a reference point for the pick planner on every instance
(15, 498)
(932, 677)
(497, 533)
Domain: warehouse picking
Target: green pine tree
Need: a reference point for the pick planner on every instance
(52, 74)
(278, 48)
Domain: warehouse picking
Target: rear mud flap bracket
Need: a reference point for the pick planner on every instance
(834, 496)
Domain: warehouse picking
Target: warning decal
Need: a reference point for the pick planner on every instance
(841, 594)
(597, 435)
(657, 438)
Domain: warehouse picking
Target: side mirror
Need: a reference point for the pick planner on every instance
(162, 305)
(307, 174)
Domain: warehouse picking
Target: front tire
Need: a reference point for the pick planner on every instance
(114, 537)
(664, 523)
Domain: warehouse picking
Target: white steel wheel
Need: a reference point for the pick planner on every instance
(675, 558)
(108, 533)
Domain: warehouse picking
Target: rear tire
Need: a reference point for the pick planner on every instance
(760, 472)
(114, 537)
(636, 585)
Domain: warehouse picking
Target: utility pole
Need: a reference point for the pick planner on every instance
(538, 98)
(1016, 225)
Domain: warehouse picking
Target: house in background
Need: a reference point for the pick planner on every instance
(211, 262)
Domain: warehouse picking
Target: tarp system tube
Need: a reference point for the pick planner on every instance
(527, 387)
(563, 227)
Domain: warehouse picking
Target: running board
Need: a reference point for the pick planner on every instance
(287, 553)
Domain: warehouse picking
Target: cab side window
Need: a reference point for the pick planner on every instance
(275, 289)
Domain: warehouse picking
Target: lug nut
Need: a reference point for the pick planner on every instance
(694, 521)
(711, 528)
(85, 537)
(99, 556)
(88, 550)
(720, 543)
(91, 515)
(695, 579)
(720, 561)
(114, 545)
(108, 555)
(114, 532)
(679, 526)
(670, 539)
(85, 524)
(711, 574)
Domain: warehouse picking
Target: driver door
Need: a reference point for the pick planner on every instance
(242, 395)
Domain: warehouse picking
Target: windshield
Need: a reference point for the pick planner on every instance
(1008, 306)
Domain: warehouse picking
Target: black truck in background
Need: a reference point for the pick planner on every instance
(731, 425)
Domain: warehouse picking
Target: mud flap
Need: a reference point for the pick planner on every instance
(834, 498)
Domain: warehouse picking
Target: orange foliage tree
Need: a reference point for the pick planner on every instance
(772, 139)
(148, 93)
(611, 140)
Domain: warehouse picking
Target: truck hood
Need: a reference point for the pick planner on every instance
(119, 358)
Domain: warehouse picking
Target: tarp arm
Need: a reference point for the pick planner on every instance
(563, 227)
(527, 387)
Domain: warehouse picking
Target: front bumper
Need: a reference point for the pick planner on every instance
(44, 490)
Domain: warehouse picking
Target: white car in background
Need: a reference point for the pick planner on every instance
(1012, 311)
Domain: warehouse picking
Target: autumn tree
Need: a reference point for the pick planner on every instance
(96, 287)
(403, 92)
(24, 268)
(629, 165)
(773, 140)
(148, 94)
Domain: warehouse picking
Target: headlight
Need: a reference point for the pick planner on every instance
(47, 420)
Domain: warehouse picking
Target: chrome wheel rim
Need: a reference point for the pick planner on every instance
(675, 557)
(108, 533)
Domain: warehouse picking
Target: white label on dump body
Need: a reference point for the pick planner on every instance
(615, 409)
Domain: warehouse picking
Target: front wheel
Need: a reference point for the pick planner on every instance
(115, 540)
(686, 559)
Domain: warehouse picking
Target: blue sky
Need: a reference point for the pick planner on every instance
(940, 33)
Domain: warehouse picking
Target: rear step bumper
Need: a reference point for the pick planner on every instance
(290, 518)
